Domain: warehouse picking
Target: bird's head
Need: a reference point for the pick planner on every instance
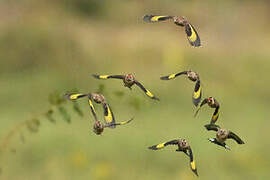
(183, 143)
(98, 127)
(221, 132)
(129, 78)
(210, 101)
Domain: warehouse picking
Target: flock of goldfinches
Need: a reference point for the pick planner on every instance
(129, 80)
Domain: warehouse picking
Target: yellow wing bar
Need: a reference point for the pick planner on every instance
(172, 76)
(192, 35)
(215, 115)
(192, 162)
(197, 94)
(92, 108)
(158, 146)
(124, 122)
(108, 115)
(156, 18)
(147, 92)
(75, 96)
(108, 76)
(120, 123)
(101, 76)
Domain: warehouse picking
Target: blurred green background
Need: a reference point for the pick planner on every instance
(55, 45)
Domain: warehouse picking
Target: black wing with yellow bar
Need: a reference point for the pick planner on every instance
(75, 96)
(108, 116)
(197, 94)
(155, 18)
(215, 115)
(90, 102)
(119, 123)
(192, 162)
(235, 137)
(108, 76)
(172, 76)
(192, 35)
(147, 92)
(162, 145)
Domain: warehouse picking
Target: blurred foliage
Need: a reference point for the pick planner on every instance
(86, 8)
(48, 46)
(33, 125)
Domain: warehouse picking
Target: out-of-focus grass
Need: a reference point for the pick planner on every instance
(58, 45)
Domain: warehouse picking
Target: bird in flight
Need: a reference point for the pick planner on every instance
(212, 103)
(183, 146)
(192, 34)
(128, 80)
(108, 114)
(222, 135)
(193, 76)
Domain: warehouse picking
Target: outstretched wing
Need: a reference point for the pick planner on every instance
(74, 96)
(156, 18)
(212, 127)
(235, 137)
(192, 162)
(223, 144)
(120, 123)
(108, 76)
(90, 102)
(147, 92)
(197, 94)
(201, 105)
(192, 35)
(215, 115)
(172, 76)
(162, 145)
(108, 116)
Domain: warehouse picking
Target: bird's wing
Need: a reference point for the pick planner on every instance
(74, 96)
(108, 76)
(192, 35)
(192, 162)
(223, 144)
(201, 105)
(212, 127)
(147, 92)
(108, 116)
(155, 18)
(197, 94)
(90, 102)
(162, 145)
(119, 123)
(172, 76)
(215, 115)
(235, 137)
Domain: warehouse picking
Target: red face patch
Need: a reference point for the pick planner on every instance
(129, 77)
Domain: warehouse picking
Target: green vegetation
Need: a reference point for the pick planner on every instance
(48, 46)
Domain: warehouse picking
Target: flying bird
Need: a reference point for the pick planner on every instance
(222, 135)
(128, 80)
(212, 103)
(108, 114)
(183, 146)
(99, 127)
(193, 76)
(192, 34)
